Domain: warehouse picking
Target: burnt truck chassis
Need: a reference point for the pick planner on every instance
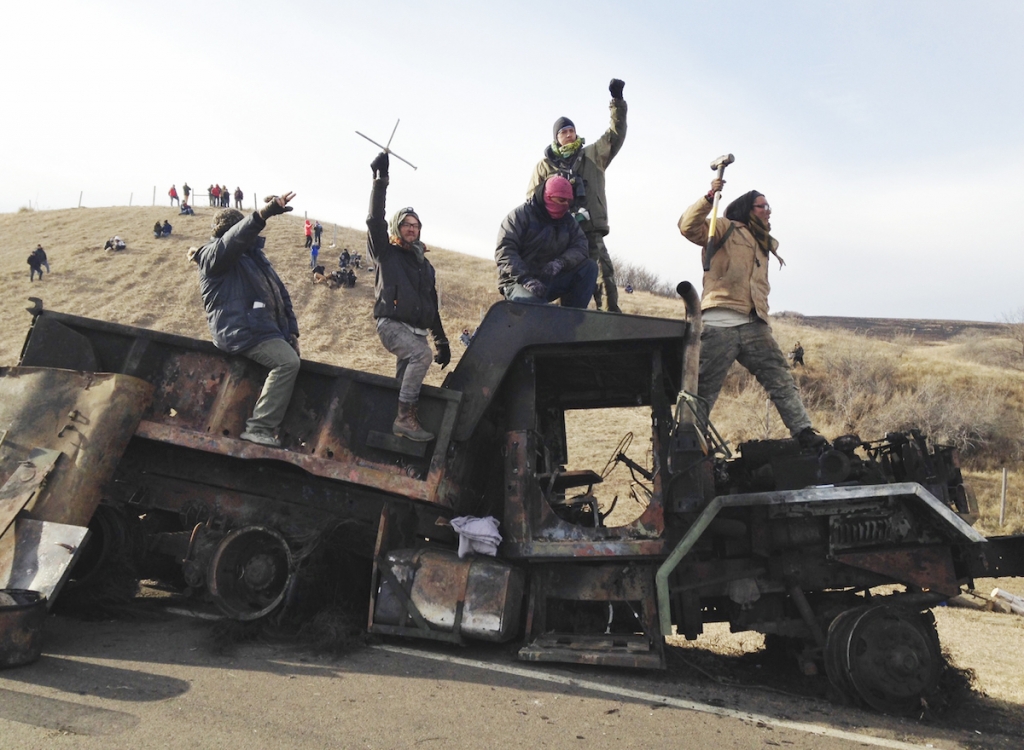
(784, 541)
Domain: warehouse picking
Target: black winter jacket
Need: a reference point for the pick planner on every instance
(404, 286)
(235, 274)
(529, 239)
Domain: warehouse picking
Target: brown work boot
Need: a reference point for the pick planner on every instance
(407, 424)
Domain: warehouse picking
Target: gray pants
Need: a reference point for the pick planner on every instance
(413, 353)
(606, 273)
(754, 347)
(278, 356)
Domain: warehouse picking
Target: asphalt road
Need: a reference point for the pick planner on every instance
(159, 683)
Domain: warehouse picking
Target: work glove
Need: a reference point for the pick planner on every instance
(294, 341)
(444, 354)
(536, 288)
(379, 166)
(615, 88)
(552, 269)
(276, 205)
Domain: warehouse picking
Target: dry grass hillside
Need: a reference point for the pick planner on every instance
(966, 388)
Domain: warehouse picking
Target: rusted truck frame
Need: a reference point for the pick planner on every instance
(779, 540)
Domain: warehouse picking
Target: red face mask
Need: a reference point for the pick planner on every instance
(557, 187)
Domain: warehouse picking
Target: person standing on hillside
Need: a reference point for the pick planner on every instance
(249, 311)
(173, 192)
(215, 195)
(307, 229)
(35, 266)
(186, 191)
(542, 253)
(734, 303)
(43, 261)
(584, 167)
(239, 195)
(318, 230)
(406, 307)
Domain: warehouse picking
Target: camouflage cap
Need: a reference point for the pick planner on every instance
(224, 219)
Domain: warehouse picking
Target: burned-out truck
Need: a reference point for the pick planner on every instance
(134, 434)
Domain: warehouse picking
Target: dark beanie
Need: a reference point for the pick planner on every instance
(562, 122)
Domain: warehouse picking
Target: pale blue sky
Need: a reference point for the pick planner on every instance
(886, 135)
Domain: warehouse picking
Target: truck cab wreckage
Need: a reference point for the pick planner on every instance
(130, 437)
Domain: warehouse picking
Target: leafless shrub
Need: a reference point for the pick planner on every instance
(641, 279)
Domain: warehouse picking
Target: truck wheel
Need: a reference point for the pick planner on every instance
(888, 655)
(250, 572)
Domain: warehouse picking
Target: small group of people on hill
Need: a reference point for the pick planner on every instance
(338, 279)
(549, 248)
(162, 230)
(312, 230)
(220, 196)
(115, 244)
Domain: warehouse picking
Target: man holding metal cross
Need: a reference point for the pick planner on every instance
(406, 307)
(734, 302)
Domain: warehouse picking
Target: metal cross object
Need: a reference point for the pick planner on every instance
(387, 149)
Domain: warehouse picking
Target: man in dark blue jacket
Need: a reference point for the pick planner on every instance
(542, 253)
(249, 310)
(406, 306)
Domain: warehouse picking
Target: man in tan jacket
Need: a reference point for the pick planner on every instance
(584, 166)
(734, 306)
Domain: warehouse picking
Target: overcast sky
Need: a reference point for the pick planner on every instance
(886, 135)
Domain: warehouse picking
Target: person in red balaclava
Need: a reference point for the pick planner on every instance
(542, 253)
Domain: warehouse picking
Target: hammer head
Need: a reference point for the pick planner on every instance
(722, 161)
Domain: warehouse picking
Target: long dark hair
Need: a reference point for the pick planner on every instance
(739, 209)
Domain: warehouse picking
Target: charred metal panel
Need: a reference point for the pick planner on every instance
(38, 555)
(24, 484)
(929, 568)
(202, 398)
(87, 417)
(509, 328)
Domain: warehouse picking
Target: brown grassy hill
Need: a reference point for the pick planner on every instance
(933, 331)
(963, 387)
(152, 285)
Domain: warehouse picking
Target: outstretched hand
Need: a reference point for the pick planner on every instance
(276, 205)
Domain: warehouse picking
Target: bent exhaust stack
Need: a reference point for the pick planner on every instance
(691, 346)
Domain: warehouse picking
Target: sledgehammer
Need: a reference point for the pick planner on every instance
(720, 164)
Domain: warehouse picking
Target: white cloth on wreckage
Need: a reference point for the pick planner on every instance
(477, 535)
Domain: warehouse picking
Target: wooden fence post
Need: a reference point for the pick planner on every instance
(1002, 500)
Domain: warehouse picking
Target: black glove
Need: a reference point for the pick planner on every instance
(379, 166)
(552, 269)
(536, 288)
(273, 208)
(444, 354)
(615, 88)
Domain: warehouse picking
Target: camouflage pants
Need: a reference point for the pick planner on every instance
(413, 357)
(754, 347)
(605, 288)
